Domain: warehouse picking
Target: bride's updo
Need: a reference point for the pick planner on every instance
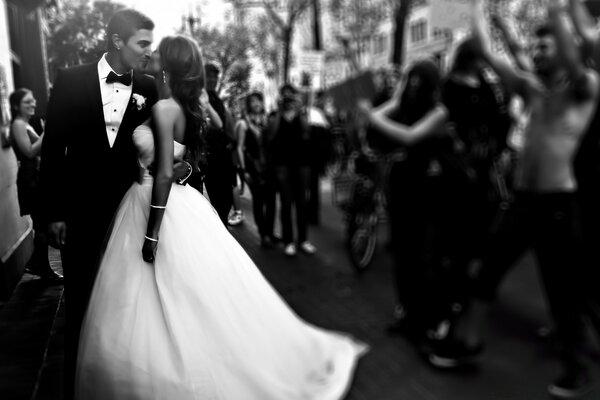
(181, 58)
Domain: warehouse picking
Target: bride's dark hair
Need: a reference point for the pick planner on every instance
(182, 59)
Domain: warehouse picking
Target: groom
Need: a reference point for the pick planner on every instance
(89, 159)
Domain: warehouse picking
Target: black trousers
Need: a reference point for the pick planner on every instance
(292, 184)
(549, 224)
(263, 204)
(80, 260)
(589, 200)
(314, 197)
(218, 183)
(417, 207)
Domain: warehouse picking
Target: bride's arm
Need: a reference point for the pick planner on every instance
(165, 116)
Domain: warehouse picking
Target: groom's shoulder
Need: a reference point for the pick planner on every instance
(77, 71)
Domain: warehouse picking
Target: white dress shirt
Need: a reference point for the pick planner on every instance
(115, 98)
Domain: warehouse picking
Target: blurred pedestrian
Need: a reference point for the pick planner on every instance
(250, 131)
(288, 153)
(478, 113)
(320, 138)
(420, 189)
(562, 95)
(28, 145)
(220, 171)
(587, 159)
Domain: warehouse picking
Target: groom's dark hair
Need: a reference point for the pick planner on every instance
(125, 23)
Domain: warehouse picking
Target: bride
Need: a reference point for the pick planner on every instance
(178, 309)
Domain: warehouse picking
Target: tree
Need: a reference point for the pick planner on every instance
(266, 46)
(76, 32)
(285, 28)
(238, 80)
(355, 23)
(225, 47)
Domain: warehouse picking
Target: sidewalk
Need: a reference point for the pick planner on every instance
(324, 290)
(31, 340)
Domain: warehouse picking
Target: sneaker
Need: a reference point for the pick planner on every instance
(571, 385)
(449, 353)
(236, 218)
(290, 250)
(308, 247)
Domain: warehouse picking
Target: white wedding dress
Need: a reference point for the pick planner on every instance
(202, 322)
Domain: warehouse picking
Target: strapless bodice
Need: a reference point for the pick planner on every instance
(144, 143)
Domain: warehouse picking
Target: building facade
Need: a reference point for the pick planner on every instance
(22, 64)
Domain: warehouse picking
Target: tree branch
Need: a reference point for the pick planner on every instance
(274, 16)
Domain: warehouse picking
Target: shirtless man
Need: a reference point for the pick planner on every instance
(561, 94)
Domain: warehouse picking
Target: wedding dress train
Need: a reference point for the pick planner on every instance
(202, 322)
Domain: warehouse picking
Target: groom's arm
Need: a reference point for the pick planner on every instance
(53, 159)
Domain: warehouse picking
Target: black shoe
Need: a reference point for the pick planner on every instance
(266, 242)
(405, 328)
(450, 353)
(277, 239)
(400, 324)
(52, 277)
(571, 385)
(47, 276)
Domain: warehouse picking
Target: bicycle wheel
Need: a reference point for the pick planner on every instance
(362, 239)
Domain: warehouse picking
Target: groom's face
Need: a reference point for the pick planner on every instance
(137, 50)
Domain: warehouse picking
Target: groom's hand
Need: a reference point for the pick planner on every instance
(181, 171)
(57, 234)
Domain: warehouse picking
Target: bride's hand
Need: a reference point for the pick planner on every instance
(149, 250)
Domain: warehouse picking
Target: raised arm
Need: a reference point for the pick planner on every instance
(569, 54)
(431, 123)
(514, 80)
(387, 108)
(165, 115)
(517, 52)
(583, 23)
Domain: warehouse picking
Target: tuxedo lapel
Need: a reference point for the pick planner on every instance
(95, 98)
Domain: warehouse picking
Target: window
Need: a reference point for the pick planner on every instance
(379, 44)
(418, 31)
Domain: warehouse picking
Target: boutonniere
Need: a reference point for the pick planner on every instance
(138, 101)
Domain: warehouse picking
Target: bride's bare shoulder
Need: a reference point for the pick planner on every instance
(167, 108)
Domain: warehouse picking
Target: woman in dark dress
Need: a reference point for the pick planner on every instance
(422, 194)
(28, 145)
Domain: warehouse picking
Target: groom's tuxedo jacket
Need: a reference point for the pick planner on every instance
(83, 178)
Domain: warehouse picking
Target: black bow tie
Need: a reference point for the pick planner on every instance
(125, 79)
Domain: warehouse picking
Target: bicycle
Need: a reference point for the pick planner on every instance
(361, 194)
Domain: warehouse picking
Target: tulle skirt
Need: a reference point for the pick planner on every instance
(202, 322)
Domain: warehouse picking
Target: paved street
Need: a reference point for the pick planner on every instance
(324, 290)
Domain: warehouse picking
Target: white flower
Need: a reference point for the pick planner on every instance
(138, 100)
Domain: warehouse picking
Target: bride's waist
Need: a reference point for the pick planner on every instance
(145, 179)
